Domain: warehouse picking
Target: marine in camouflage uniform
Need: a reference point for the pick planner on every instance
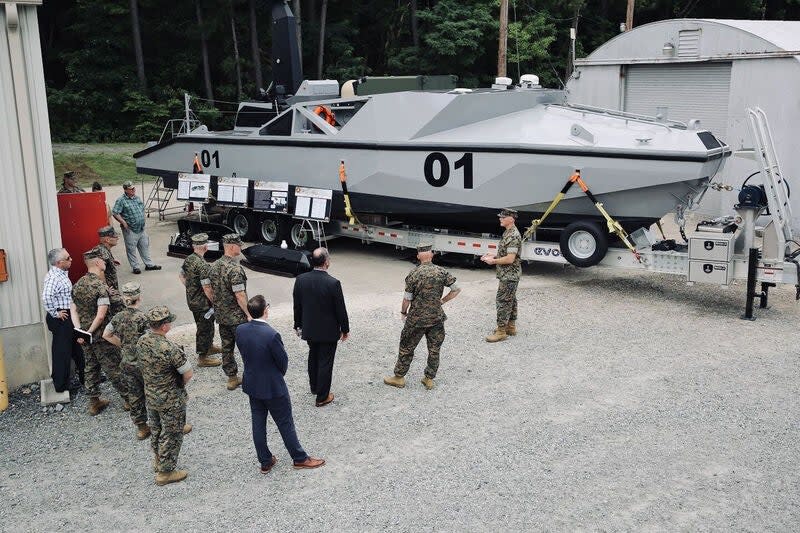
(508, 276)
(69, 184)
(196, 277)
(108, 238)
(90, 295)
(227, 280)
(424, 316)
(125, 329)
(165, 371)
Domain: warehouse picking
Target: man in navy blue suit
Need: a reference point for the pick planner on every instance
(265, 363)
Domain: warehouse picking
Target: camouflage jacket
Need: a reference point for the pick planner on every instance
(424, 287)
(64, 189)
(227, 278)
(197, 272)
(510, 243)
(160, 361)
(89, 293)
(129, 324)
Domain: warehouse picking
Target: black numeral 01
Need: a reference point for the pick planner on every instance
(206, 157)
(444, 169)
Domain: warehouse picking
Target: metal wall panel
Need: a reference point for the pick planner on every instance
(688, 91)
(28, 190)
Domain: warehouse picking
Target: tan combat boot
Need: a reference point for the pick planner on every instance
(164, 478)
(187, 428)
(205, 361)
(428, 382)
(142, 431)
(395, 381)
(498, 335)
(97, 405)
(234, 382)
(511, 328)
(214, 350)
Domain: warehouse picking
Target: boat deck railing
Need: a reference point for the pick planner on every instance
(177, 126)
(646, 119)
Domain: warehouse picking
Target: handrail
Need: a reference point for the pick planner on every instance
(182, 129)
(668, 123)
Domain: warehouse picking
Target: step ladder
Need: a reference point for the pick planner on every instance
(774, 180)
(158, 200)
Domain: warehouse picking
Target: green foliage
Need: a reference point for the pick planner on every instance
(109, 164)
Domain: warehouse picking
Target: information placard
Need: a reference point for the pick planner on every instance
(313, 204)
(232, 191)
(193, 187)
(271, 196)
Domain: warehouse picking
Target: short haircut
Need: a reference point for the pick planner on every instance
(319, 256)
(256, 306)
(54, 255)
(96, 186)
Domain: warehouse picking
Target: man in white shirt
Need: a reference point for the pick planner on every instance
(57, 298)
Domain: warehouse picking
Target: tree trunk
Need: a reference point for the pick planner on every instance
(629, 16)
(320, 58)
(254, 48)
(299, 20)
(414, 24)
(137, 45)
(204, 51)
(503, 41)
(236, 52)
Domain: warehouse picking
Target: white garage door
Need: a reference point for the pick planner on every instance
(688, 91)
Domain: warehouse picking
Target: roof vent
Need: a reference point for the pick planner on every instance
(689, 43)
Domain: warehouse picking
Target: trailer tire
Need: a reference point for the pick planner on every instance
(300, 237)
(583, 244)
(269, 229)
(243, 223)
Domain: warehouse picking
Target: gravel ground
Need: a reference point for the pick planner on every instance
(626, 402)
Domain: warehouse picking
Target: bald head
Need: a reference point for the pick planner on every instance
(320, 258)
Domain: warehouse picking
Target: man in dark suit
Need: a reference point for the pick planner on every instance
(320, 319)
(265, 363)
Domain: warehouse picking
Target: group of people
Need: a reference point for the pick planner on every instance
(150, 372)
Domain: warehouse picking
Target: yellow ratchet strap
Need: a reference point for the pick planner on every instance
(348, 211)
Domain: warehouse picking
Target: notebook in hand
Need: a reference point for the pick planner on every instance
(83, 334)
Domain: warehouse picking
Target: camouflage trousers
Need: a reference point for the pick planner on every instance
(103, 354)
(506, 302)
(409, 338)
(205, 332)
(135, 384)
(228, 336)
(166, 437)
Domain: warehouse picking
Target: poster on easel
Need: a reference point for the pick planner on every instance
(271, 196)
(232, 191)
(313, 204)
(193, 187)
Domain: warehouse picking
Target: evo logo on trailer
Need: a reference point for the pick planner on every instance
(547, 252)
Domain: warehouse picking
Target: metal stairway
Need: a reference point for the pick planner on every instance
(158, 200)
(774, 183)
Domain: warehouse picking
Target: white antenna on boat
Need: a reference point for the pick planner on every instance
(186, 99)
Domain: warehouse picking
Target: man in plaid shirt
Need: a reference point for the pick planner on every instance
(57, 297)
(129, 212)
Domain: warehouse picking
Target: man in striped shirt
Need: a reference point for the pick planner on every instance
(57, 298)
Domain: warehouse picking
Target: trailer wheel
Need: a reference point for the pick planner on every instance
(243, 223)
(583, 244)
(269, 229)
(300, 236)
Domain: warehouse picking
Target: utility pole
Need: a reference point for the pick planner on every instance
(629, 16)
(503, 44)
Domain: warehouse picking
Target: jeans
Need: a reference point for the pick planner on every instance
(134, 241)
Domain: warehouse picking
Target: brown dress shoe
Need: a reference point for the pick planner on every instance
(310, 462)
(266, 468)
(234, 382)
(97, 405)
(326, 401)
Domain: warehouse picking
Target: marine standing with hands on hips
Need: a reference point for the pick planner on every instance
(509, 271)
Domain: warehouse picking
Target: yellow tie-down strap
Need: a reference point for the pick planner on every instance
(348, 210)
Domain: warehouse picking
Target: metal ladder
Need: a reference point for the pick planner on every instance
(773, 180)
(158, 200)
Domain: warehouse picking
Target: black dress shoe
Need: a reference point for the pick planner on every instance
(152, 267)
(137, 271)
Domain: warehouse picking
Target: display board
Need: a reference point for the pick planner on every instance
(232, 191)
(313, 204)
(271, 196)
(193, 187)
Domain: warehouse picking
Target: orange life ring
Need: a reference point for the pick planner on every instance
(326, 114)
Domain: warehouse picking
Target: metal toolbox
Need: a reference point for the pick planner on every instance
(711, 246)
(716, 272)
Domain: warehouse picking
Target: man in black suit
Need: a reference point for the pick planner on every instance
(265, 363)
(320, 319)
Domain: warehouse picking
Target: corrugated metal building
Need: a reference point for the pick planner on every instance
(710, 70)
(28, 211)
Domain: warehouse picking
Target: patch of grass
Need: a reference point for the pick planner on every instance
(109, 164)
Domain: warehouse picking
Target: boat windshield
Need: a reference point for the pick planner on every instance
(322, 118)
